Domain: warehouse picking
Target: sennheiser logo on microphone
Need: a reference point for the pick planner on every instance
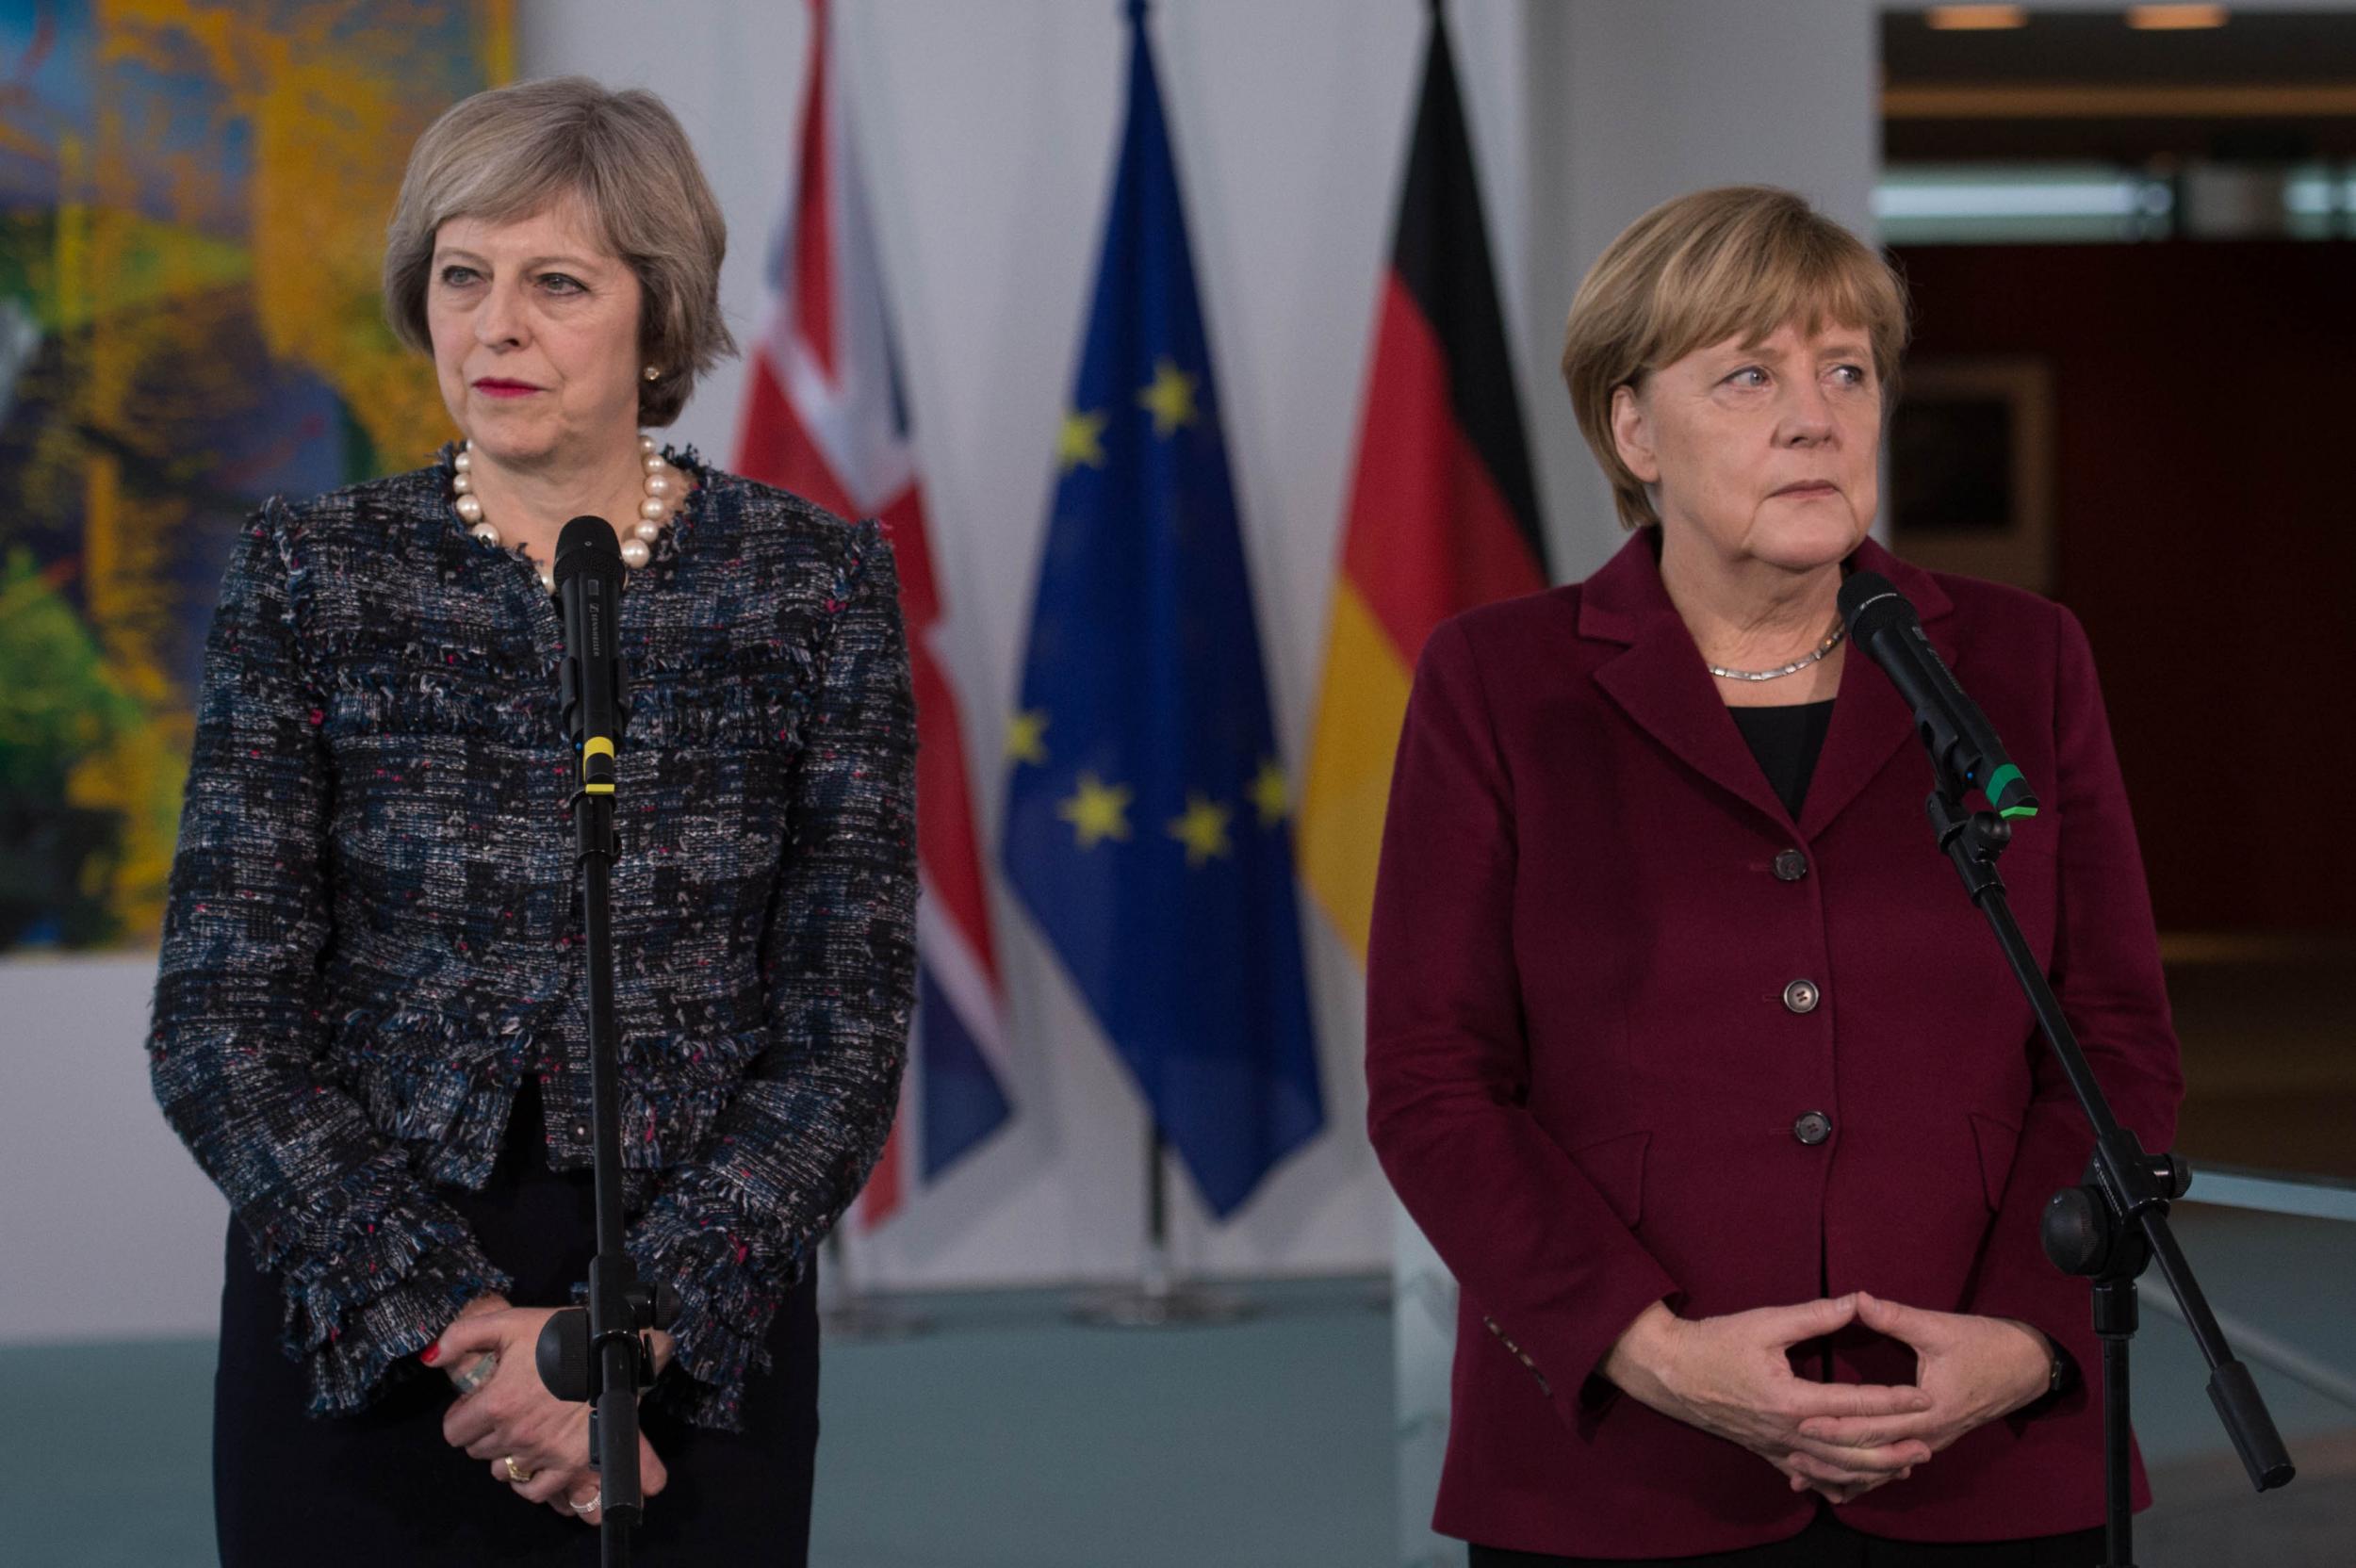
(1930, 650)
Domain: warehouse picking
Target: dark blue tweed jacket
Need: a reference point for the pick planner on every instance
(373, 932)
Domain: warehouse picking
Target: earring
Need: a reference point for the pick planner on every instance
(653, 374)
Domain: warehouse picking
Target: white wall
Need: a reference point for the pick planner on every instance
(106, 1227)
(988, 130)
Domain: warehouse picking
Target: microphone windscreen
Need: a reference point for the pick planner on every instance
(1870, 597)
(588, 544)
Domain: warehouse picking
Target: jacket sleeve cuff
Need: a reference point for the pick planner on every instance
(2060, 1307)
(1563, 1345)
(728, 1297)
(2070, 1396)
(373, 1270)
(1593, 1395)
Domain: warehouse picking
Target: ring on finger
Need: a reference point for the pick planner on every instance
(516, 1472)
(591, 1505)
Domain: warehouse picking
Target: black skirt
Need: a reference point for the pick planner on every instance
(382, 1487)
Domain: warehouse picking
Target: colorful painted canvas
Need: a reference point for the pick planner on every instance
(192, 206)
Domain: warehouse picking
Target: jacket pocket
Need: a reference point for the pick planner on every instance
(1996, 1141)
(1616, 1167)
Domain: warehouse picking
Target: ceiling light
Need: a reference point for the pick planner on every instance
(1975, 19)
(2174, 19)
(2124, 197)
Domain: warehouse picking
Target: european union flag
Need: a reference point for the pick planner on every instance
(1148, 818)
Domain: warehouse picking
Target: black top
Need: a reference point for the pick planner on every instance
(1786, 741)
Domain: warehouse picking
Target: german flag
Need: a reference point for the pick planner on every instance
(1443, 512)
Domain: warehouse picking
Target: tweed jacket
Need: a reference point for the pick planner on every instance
(1637, 1033)
(374, 929)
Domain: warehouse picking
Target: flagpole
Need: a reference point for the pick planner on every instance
(1160, 1299)
(1156, 1203)
(850, 1311)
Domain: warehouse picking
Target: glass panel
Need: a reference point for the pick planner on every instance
(2282, 1287)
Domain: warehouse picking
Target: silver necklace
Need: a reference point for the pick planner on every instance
(1831, 641)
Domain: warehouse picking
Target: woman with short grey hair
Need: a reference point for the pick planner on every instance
(368, 1021)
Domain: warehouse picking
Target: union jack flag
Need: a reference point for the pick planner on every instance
(824, 417)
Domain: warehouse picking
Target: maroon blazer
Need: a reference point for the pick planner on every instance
(1634, 1034)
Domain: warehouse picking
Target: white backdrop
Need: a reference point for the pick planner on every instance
(987, 130)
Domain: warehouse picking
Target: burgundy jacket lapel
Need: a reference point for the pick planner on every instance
(1660, 683)
(1660, 680)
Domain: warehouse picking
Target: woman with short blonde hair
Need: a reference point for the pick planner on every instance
(1737, 262)
(1683, 1047)
(368, 1017)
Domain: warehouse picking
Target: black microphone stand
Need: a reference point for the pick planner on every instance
(2116, 1223)
(603, 1356)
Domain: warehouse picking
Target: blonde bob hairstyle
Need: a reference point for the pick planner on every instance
(515, 151)
(1739, 262)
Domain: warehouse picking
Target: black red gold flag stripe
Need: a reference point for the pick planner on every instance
(1442, 509)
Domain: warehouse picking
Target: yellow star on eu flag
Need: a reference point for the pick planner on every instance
(1027, 737)
(1171, 399)
(1202, 830)
(1081, 440)
(1098, 812)
(1271, 792)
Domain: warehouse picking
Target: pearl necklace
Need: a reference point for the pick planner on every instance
(1831, 641)
(665, 494)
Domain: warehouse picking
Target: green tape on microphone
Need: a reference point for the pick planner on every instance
(2001, 783)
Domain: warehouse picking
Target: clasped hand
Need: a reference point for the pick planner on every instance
(513, 1417)
(1732, 1376)
(1974, 1368)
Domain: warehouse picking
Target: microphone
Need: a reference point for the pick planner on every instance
(589, 591)
(1962, 744)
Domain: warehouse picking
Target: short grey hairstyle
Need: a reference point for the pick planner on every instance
(515, 151)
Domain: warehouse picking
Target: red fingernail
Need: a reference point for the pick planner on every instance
(432, 1354)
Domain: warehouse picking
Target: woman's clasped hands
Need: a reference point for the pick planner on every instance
(531, 1441)
(1974, 1369)
(1732, 1376)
